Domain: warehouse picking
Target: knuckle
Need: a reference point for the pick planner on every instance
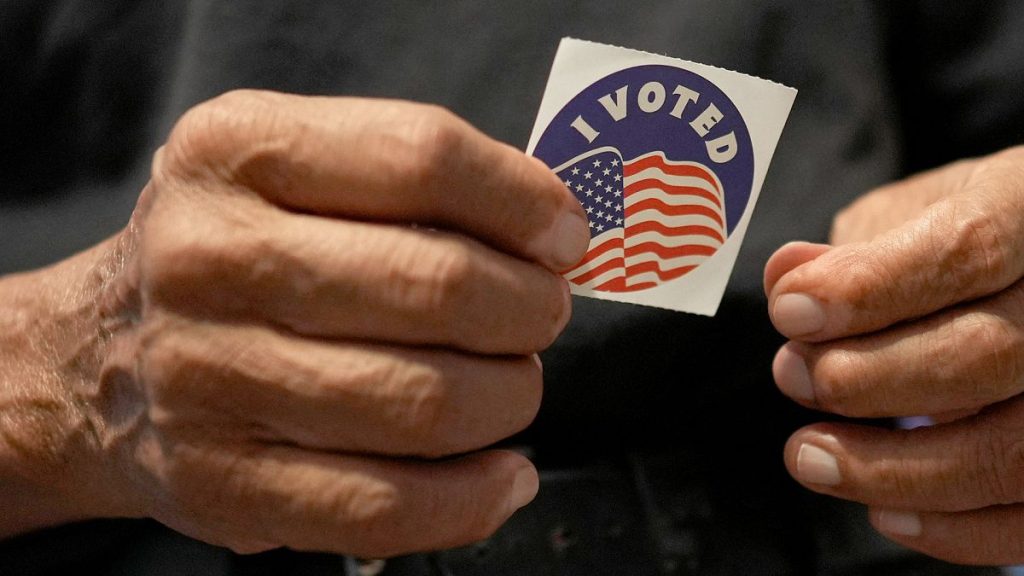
(455, 272)
(182, 467)
(971, 250)
(371, 515)
(943, 355)
(439, 279)
(427, 417)
(208, 134)
(177, 364)
(201, 268)
(201, 489)
(422, 412)
(174, 259)
(989, 367)
(160, 361)
(177, 406)
(840, 381)
(428, 142)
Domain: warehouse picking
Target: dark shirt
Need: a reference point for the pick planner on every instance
(90, 90)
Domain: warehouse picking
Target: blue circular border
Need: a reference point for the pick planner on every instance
(642, 132)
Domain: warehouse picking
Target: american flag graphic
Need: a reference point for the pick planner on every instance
(652, 219)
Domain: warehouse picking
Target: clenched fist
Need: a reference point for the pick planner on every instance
(321, 314)
(918, 309)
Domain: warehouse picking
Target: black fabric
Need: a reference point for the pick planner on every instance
(91, 89)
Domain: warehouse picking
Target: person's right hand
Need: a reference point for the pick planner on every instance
(321, 311)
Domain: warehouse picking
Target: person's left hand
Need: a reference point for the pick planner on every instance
(916, 309)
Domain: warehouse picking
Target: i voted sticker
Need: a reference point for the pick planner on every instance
(664, 159)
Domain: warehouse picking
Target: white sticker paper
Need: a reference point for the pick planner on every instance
(667, 157)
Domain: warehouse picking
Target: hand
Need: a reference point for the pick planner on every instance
(322, 311)
(923, 317)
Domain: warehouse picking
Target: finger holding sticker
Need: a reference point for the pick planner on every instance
(322, 314)
(926, 317)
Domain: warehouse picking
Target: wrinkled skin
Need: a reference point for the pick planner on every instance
(321, 314)
(917, 308)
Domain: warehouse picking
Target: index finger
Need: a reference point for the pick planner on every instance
(381, 160)
(967, 245)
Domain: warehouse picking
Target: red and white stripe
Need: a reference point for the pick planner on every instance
(674, 220)
(604, 263)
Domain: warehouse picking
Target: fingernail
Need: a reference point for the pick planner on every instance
(524, 488)
(798, 314)
(791, 375)
(571, 238)
(538, 362)
(816, 466)
(899, 523)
